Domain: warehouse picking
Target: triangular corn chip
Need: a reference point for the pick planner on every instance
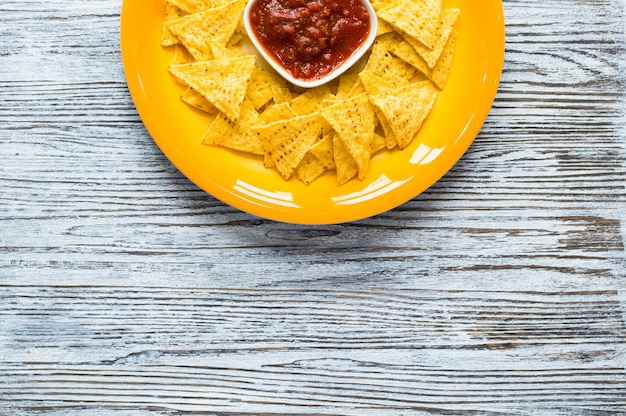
(181, 55)
(354, 121)
(444, 29)
(288, 141)
(374, 84)
(195, 6)
(383, 64)
(311, 100)
(406, 108)
(272, 113)
(346, 165)
(277, 112)
(403, 50)
(440, 73)
(378, 143)
(171, 13)
(323, 151)
(309, 169)
(348, 83)
(263, 87)
(197, 31)
(195, 99)
(236, 135)
(223, 82)
(417, 18)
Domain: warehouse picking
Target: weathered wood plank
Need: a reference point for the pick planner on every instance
(125, 289)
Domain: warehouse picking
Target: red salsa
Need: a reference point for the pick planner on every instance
(310, 38)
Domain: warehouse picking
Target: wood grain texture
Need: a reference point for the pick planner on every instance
(124, 289)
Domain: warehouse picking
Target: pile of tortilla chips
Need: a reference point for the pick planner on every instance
(335, 127)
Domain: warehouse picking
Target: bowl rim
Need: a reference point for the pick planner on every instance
(338, 71)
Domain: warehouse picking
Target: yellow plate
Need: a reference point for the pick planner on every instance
(393, 178)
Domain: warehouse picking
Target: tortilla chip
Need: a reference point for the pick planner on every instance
(171, 13)
(197, 31)
(383, 64)
(288, 141)
(323, 151)
(236, 135)
(416, 18)
(406, 108)
(223, 82)
(378, 143)
(440, 73)
(403, 50)
(277, 112)
(195, 99)
(181, 55)
(310, 169)
(354, 121)
(218, 51)
(347, 83)
(374, 84)
(272, 113)
(444, 29)
(346, 165)
(398, 46)
(311, 100)
(384, 28)
(195, 6)
(380, 4)
(262, 87)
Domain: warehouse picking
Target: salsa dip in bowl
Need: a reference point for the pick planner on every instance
(311, 42)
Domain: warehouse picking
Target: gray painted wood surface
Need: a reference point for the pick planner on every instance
(126, 290)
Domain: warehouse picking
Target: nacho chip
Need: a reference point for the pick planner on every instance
(281, 94)
(416, 18)
(384, 28)
(277, 112)
(403, 50)
(383, 64)
(374, 84)
(354, 121)
(288, 141)
(378, 143)
(346, 165)
(218, 51)
(171, 13)
(216, 25)
(406, 108)
(181, 55)
(310, 169)
(223, 81)
(236, 135)
(195, 6)
(311, 100)
(195, 99)
(262, 87)
(440, 73)
(444, 29)
(323, 151)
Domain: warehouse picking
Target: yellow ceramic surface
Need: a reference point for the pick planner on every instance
(393, 178)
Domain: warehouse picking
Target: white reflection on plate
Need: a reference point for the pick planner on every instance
(380, 186)
(284, 199)
(424, 154)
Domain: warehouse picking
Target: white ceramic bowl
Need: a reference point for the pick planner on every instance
(347, 64)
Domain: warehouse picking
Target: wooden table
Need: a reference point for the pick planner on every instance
(125, 289)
